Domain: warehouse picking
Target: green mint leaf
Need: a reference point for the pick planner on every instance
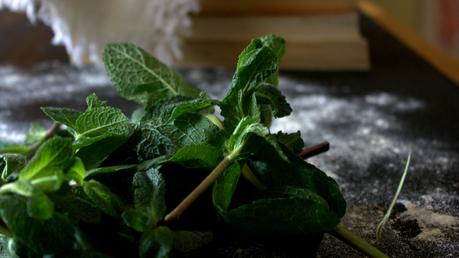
(75, 204)
(195, 129)
(76, 172)
(136, 219)
(192, 129)
(329, 190)
(140, 77)
(51, 236)
(65, 116)
(156, 242)
(203, 156)
(39, 206)
(224, 188)
(258, 63)
(100, 123)
(149, 194)
(35, 134)
(94, 154)
(269, 95)
(240, 142)
(275, 171)
(49, 183)
(101, 196)
(137, 115)
(167, 111)
(13, 148)
(107, 126)
(292, 141)
(20, 187)
(93, 173)
(53, 157)
(294, 211)
(94, 102)
(11, 164)
(154, 143)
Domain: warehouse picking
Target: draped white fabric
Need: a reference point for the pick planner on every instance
(85, 26)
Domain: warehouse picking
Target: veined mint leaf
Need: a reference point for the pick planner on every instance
(65, 116)
(94, 102)
(20, 187)
(100, 123)
(35, 134)
(274, 43)
(11, 163)
(156, 242)
(73, 202)
(275, 171)
(270, 95)
(224, 188)
(137, 115)
(140, 77)
(198, 156)
(39, 206)
(167, 111)
(149, 195)
(165, 139)
(154, 143)
(258, 63)
(93, 173)
(13, 148)
(294, 211)
(102, 197)
(76, 172)
(51, 236)
(247, 127)
(292, 141)
(195, 129)
(53, 157)
(94, 154)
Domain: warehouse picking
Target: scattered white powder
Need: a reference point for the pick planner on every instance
(28, 90)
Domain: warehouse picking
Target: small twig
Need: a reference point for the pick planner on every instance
(314, 150)
(51, 131)
(200, 189)
(381, 224)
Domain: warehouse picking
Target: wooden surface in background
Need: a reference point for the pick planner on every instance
(445, 63)
(313, 42)
(24, 44)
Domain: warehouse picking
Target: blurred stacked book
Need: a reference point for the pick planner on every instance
(320, 34)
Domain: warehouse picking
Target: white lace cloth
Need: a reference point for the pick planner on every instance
(85, 26)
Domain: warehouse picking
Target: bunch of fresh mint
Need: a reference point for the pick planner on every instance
(100, 184)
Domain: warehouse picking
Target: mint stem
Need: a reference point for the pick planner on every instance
(314, 150)
(51, 131)
(357, 242)
(199, 190)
